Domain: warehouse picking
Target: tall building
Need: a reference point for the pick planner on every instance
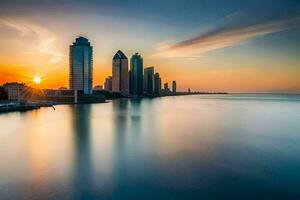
(81, 66)
(120, 76)
(149, 80)
(174, 87)
(136, 75)
(157, 84)
(108, 84)
(166, 89)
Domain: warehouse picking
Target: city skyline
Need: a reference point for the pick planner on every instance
(236, 47)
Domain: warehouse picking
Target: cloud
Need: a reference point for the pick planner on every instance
(224, 36)
(43, 38)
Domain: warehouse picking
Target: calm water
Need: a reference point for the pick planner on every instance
(188, 147)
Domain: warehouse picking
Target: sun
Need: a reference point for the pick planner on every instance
(37, 80)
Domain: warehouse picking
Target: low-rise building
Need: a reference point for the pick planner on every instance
(108, 84)
(98, 87)
(72, 96)
(15, 91)
(3, 94)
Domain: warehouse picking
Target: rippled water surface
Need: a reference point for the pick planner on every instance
(185, 147)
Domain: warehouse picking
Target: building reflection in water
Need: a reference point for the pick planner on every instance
(165, 148)
(126, 121)
(83, 187)
(126, 128)
(120, 123)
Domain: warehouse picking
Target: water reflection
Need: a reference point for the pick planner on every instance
(124, 149)
(82, 152)
(120, 121)
(166, 148)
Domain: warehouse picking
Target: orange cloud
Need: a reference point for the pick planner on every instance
(44, 37)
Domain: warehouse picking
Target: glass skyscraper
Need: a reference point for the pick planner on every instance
(81, 66)
(149, 80)
(136, 75)
(120, 77)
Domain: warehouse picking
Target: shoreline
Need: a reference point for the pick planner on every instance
(23, 107)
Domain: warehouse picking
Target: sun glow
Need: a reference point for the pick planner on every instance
(37, 80)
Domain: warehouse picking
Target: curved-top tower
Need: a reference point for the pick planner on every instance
(81, 66)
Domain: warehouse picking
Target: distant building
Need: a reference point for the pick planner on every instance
(189, 90)
(98, 87)
(60, 96)
(3, 94)
(69, 96)
(149, 80)
(166, 88)
(63, 88)
(174, 87)
(108, 84)
(157, 84)
(120, 76)
(81, 66)
(15, 91)
(136, 75)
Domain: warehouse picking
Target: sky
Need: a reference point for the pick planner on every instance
(205, 45)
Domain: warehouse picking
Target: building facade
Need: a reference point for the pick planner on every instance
(108, 84)
(136, 75)
(166, 89)
(120, 76)
(149, 81)
(157, 84)
(15, 91)
(81, 66)
(3, 94)
(174, 87)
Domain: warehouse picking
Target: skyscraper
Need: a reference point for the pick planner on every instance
(174, 87)
(136, 75)
(149, 80)
(81, 65)
(120, 76)
(157, 84)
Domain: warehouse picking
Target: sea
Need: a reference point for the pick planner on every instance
(235, 146)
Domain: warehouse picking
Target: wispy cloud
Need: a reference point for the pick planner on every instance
(43, 38)
(224, 36)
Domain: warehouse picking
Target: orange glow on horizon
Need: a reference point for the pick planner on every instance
(248, 80)
(221, 74)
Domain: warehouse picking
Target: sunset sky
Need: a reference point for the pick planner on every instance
(206, 45)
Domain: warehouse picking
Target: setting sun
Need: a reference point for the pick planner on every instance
(37, 80)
